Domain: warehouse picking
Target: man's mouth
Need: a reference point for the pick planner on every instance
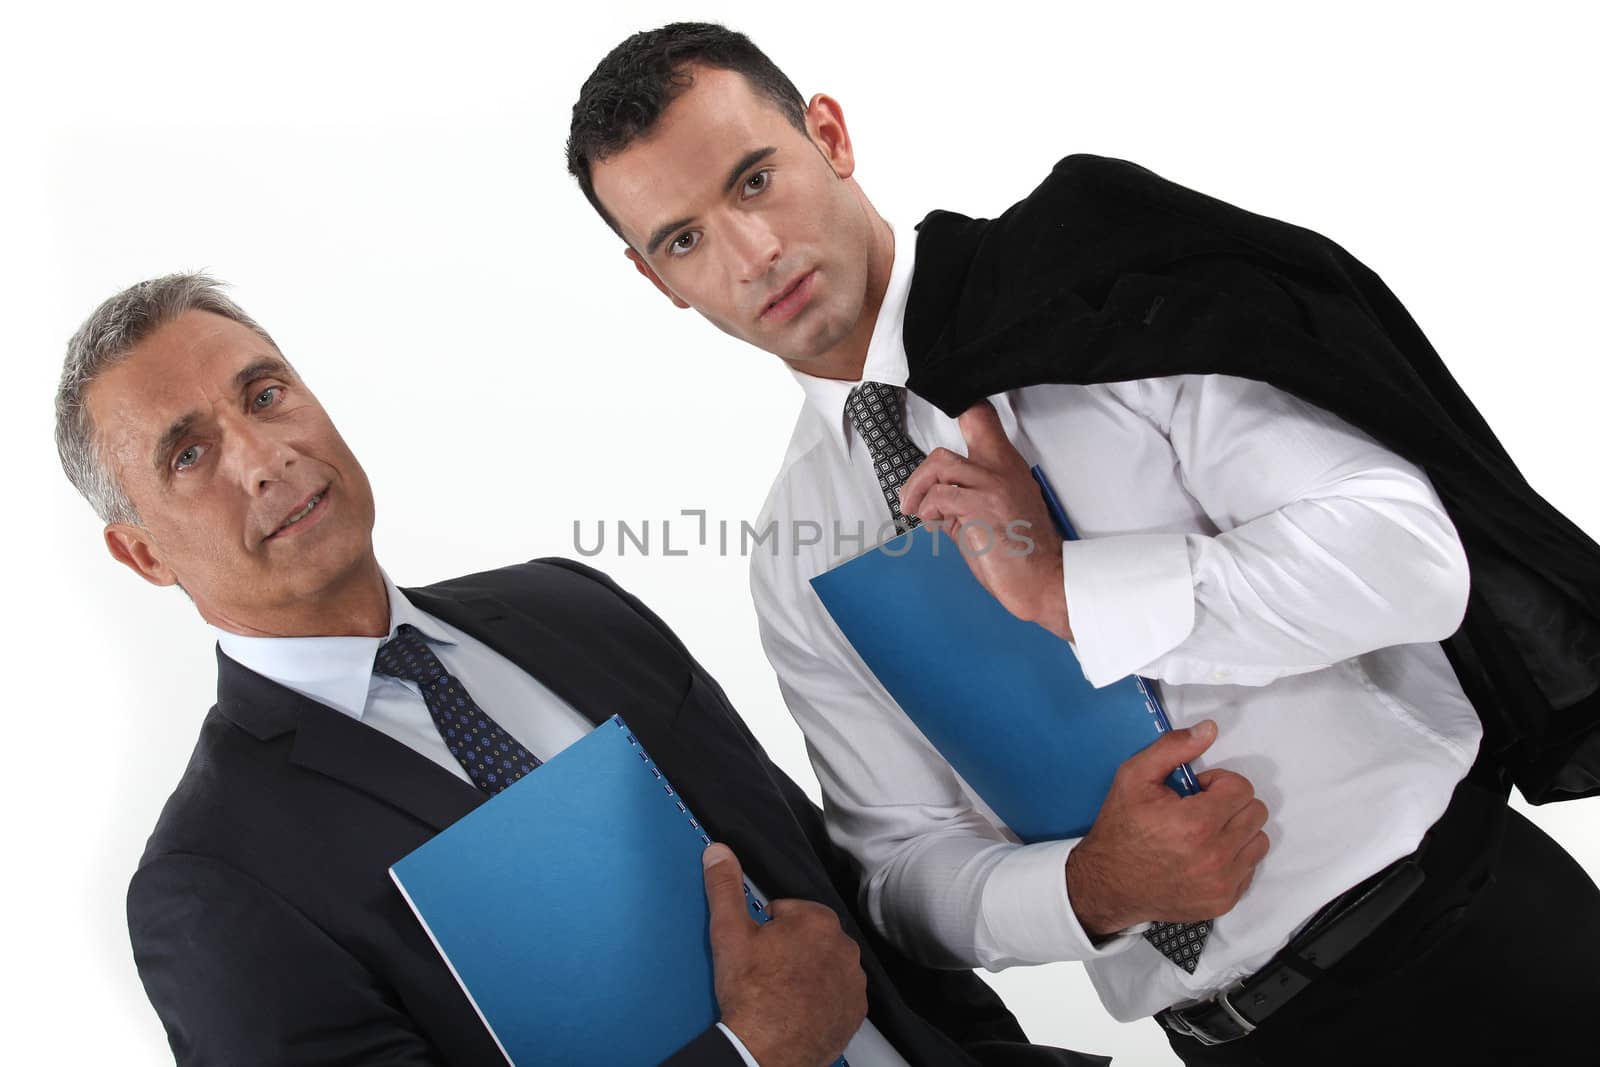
(790, 299)
(300, 513)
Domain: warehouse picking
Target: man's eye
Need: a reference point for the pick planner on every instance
(757, 181)
(266, 398)
(684, 243)
(188, 457)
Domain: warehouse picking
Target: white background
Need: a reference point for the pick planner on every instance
(384, 185)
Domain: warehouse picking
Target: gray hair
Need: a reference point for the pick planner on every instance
(105, 339)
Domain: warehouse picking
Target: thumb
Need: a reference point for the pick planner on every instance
(986, 438)
(1156, 760)
(730, 920)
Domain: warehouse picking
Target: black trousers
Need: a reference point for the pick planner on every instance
(1494, 960)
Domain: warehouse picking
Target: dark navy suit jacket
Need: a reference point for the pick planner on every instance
(263, 920)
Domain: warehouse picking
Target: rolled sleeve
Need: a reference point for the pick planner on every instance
(1130, 600)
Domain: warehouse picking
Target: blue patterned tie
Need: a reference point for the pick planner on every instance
(492, 758)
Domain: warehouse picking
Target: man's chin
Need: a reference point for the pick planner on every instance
(310, 596)
(794, 342)
(319, 565)
(819, 358)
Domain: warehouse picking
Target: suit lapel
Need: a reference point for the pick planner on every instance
(375, 763)
(333, 744)
(600, 674)
(562, 664)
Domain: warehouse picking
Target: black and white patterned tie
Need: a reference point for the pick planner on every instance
(1179, 942)
(878, 412)
(492, 758)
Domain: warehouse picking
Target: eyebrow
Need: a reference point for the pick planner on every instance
(265, 367)
(176, 432)
(748, 160)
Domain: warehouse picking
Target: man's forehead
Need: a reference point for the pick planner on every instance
(705, 130)
(192, 338)
(183, 364)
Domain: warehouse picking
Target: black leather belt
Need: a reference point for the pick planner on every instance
(1341, 925)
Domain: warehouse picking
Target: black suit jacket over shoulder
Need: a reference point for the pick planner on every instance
(263, 920)
(1107, 272)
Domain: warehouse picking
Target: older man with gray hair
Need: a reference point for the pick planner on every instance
(263, 921)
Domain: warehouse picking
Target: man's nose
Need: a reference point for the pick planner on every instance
(263, 456)
(755, 245)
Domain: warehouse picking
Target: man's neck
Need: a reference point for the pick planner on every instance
(846, 359)
(355, 606)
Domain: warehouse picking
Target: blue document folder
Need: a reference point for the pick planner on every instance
(571, 908)
(1003, 700)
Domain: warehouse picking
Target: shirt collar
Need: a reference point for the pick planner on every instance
(336, 671)
(886, 351)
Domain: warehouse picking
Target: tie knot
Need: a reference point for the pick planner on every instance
(407, 655)
(876, 409)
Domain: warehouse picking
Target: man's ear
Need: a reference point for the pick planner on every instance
(825, 126)
(133, 547)
(644, 268)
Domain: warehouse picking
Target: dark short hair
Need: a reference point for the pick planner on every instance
(625, 96)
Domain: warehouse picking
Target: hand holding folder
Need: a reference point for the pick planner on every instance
(572, 908)
(1002, 699)
(1152, 854)
(799, 960)
(1004, 702)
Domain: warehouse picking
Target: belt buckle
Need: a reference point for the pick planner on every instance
(1233, 1013)
(1179, 1025)
(1176, 1021)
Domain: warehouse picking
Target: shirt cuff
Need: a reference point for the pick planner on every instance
(1130, 600)
(738, 1046)
(1027, 917)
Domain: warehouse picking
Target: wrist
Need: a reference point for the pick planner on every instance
(757, 1038)
(1090, 897)
(745, 1055)
(1050, 605)
(746, 1038)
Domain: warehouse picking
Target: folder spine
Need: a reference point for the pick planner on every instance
(758, 909)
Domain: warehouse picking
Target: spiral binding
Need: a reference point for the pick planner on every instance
(758, 909)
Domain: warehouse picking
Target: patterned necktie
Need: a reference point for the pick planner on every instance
(492, 758)
(1179, 942)
(878, 412)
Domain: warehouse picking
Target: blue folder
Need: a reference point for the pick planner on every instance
(571, 908)
(1003, 700)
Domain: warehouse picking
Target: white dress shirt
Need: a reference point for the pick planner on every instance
(1274, 568)
(337, 672)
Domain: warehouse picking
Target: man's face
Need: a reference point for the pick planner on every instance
(248, 496)
(732, 211)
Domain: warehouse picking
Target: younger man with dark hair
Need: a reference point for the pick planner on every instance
(1276, 555)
